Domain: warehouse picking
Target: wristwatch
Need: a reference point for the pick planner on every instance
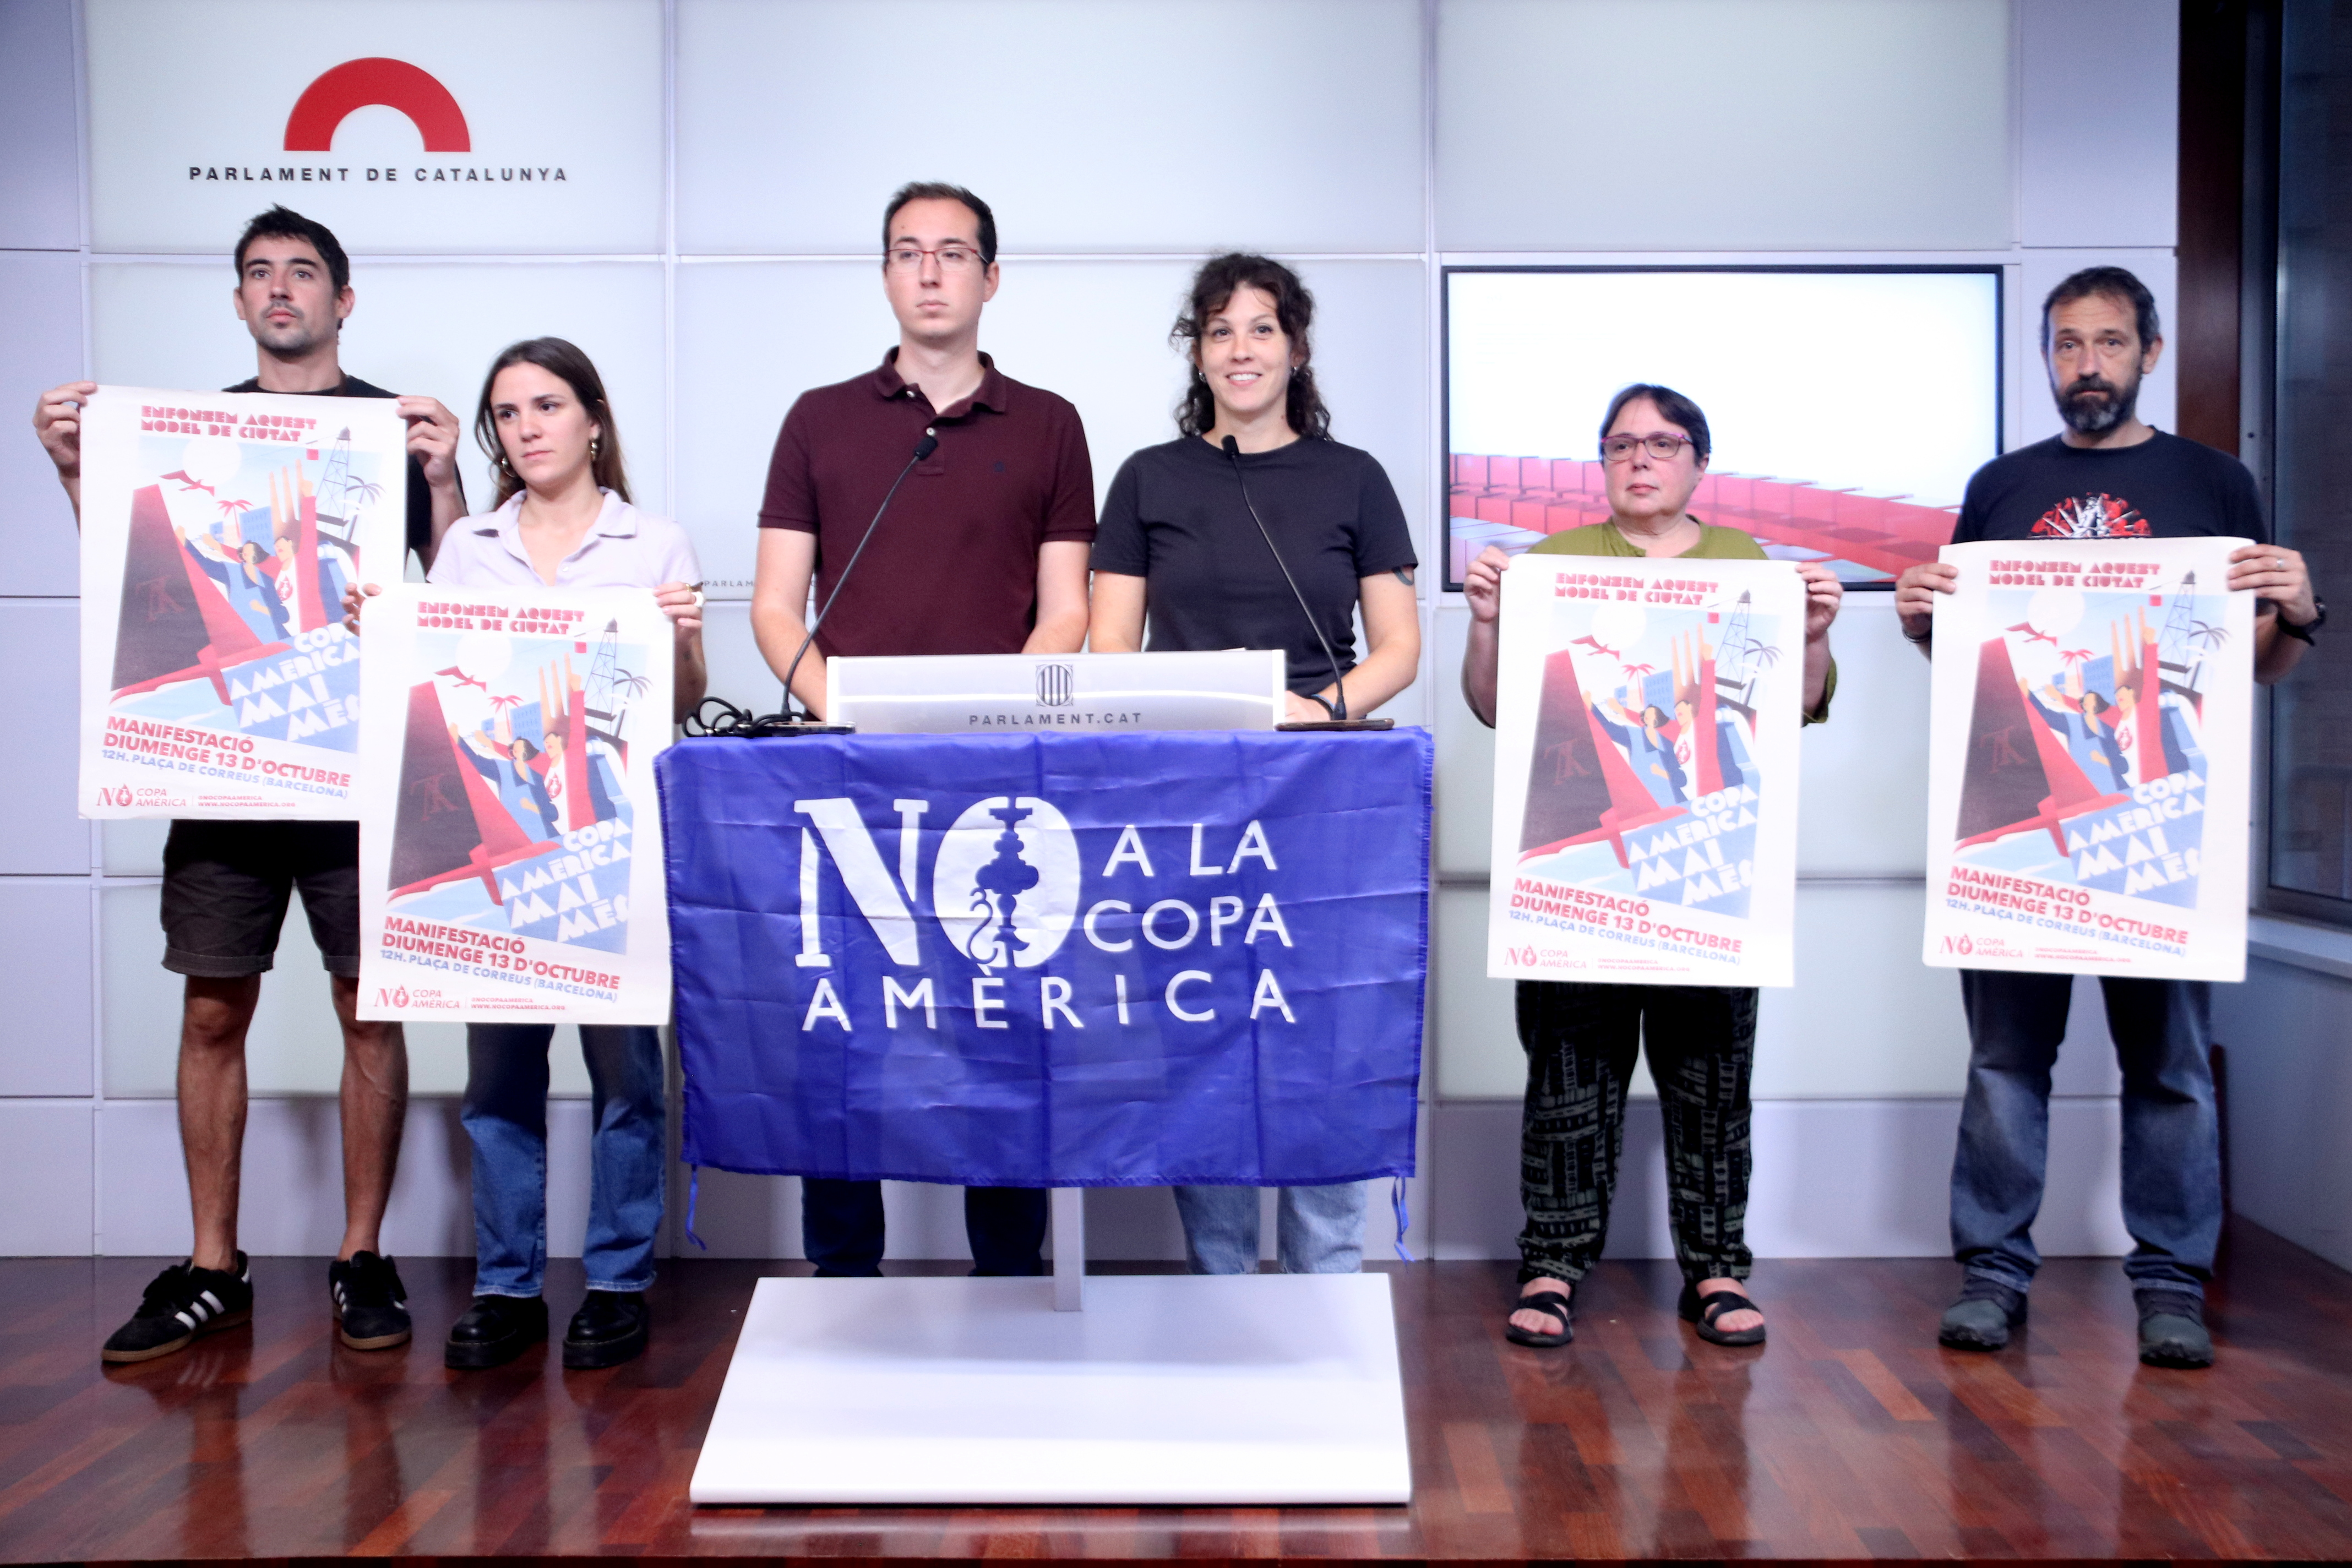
(2303, 632)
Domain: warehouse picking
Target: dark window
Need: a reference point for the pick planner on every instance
(2311, 716)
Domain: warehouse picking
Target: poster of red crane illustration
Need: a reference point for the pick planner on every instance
(510, 861)
(1645, 771)
(219, 531)
(2090, 719)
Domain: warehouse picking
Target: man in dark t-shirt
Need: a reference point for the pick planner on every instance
(2108, 476)
(226, 885)
(983, 550)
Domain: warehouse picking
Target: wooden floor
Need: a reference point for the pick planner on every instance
(1850, 1434)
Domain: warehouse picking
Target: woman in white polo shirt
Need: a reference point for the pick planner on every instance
(565, 519)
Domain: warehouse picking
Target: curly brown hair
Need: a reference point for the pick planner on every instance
(1293, 307)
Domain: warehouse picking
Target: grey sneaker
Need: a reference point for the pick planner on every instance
(1980, 1320)
(2172, 1329)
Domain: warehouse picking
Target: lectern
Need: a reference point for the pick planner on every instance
(1130, 936)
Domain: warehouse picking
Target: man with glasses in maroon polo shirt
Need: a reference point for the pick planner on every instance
(984, 550)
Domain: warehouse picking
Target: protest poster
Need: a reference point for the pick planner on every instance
(511, 859)
(218, 531)
(1647, 715)
(2091, 715)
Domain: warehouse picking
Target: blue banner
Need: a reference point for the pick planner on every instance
(1051, 961)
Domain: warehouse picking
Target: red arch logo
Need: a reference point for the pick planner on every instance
(394, 84)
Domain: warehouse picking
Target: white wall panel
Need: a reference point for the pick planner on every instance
(2045, 270)
(158, 109)
(44, 1168)
(2290, 1101)
(1476, 1039)
(1866, 1019)
(292, 1199)
(132, 847)
(1723, 124)
(45, 930)
(1846, 1179)
(1086, 126)
(1466, 753)
(40, 176)
(804, 325)
(40, 346)
(2112, 177)
(1861, 793)
(40, 711)
(1093, 331)
(294, 1045)
(426, 328)
(738, 672)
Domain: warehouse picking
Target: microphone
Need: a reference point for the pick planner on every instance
(923, 449)
(1233, 450)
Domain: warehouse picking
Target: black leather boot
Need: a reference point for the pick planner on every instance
(494, 1330)
(609, 1328)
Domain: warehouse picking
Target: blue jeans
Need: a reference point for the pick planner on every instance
(842, 1228)
(1318, 1230)
(2172, 1144)
(504, 1115)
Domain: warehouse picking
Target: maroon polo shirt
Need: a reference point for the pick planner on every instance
(953, 567)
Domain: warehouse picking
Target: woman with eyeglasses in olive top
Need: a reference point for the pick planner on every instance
(1177, 540)
(1580, 1038)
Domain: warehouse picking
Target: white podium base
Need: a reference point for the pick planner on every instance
(1240, 1389)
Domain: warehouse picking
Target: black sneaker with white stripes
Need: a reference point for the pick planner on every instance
(371, 1304)
(182, 1302)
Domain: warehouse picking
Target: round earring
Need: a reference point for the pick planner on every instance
(594, 446)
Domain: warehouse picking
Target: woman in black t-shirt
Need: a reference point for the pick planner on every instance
(1177, 540)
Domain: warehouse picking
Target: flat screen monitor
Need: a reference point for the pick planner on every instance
(1848, 405)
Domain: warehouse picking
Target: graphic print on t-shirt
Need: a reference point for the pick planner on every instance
(2091, 517)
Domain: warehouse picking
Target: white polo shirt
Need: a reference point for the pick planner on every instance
(623, 548)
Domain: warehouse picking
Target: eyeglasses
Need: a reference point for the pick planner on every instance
(952, 257)
(1618, 448)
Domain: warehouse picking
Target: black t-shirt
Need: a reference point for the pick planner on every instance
(420, 499)
(1175, 517)
(2166, 488)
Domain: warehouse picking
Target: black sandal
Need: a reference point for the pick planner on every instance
(1541, 1301)
(1701, 1311)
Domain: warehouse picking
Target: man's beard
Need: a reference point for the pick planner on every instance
(2091, 405)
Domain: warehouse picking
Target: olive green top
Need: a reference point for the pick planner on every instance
(1714, 544)
(1604, 539)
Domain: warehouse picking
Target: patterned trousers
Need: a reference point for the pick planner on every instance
(1580, 1041)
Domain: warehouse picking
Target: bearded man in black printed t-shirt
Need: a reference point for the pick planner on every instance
(226, 885)
(2108, 476)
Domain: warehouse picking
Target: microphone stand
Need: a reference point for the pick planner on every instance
(808, 725)
(1338, 721)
